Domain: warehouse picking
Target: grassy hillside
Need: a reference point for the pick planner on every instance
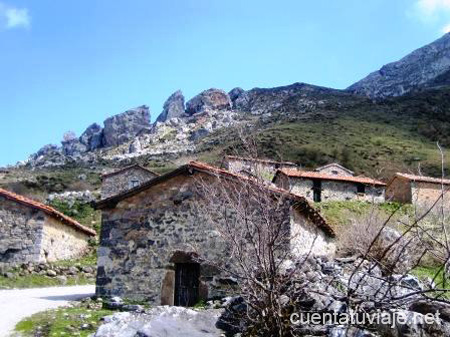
(375, 139)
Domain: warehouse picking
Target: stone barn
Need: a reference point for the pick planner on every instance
(34, 232)
(153, 237)
(418, 190)
(125, 179)
(264, 168)
(318, 186)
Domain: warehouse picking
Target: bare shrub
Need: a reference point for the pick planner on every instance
(369, 230)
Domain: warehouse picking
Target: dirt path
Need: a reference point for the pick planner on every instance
(17, 304)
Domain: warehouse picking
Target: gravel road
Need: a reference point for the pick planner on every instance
(17, 304)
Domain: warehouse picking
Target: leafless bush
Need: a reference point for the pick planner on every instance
(367, 230)
(250, 218)
(254, 222)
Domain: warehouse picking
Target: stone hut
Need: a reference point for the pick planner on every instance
(148, 234)
(317, 186)
(335, 169)
(415, 189)
(34, 232)
(264, 168)
(125, 179)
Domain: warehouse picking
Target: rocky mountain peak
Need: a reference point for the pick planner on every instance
(209, 100)
(124, 127)
(173, 107)
(425, 67)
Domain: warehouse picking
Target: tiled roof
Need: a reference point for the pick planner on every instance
(123, 169)
(322, 176)
(299, 201)
(266, 161)
(46, 209)
(423, 179)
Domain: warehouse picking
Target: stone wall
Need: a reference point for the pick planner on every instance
(306, 237)
(333, 171)
(116, 183)
(20, 232)
(399, 190)
(142, 234)
(265, 170)
(425, 194)
(61, 242)
(337, 190)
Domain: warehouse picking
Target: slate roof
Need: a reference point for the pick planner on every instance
(322, 176)
(300, 203)
(47, 210)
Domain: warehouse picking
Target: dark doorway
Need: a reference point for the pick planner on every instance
(186, 284)
(317, 190)
(361, 188)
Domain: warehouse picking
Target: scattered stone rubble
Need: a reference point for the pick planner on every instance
(51, 270)
(71, 197)
(318, 286)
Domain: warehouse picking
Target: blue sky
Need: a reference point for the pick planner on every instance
(67, 64)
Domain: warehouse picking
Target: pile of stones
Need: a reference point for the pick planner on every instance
(50, 270)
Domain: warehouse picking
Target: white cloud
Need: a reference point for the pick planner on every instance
(433, 12)
(432, 9)
(446, 29)
(12, 17)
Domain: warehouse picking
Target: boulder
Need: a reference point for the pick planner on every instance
(48, 149)
(173, 107)
(235, 94)
(73, 147)
(92, 138)
(209, 100)
(135, 146)
(124, 127)
(161, 321)
(51, 273)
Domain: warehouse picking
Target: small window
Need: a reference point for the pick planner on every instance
(361, 188)
(133, 183)
(335, 172)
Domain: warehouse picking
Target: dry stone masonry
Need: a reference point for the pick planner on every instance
(125, 179)
(148, 233)
(33, 232)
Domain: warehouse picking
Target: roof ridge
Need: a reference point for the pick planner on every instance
(314, 215)
(422, 178)
(261, 160)
(120, 170)
(45, 208)
(317, 175)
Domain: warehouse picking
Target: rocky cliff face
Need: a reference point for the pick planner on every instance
(294, 98)
(209, 100)
(173, 107)
(180, 128)
(124, 127)
(425, 67)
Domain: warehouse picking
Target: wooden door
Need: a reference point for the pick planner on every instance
(186, 284)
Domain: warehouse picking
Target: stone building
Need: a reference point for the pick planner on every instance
(264, 168)
(335, 169)
(125, 179)
(150, 236)
(415, 189)
(34, 232)
(318, 186)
